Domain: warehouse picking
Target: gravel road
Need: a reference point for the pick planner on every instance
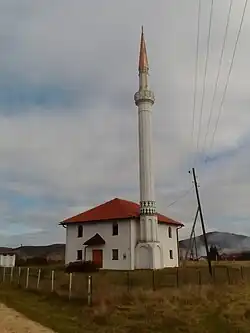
(13, 322)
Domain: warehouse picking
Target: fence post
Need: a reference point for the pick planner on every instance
(19, 275)
(3, 274)
(11, 274)
(38, 278)
(128, 281)
(52, 280)
(228, 276)
(199, 277)
(153, 279)
(242, 272)
(27, 278)
(177, 277)
(90, 290)
(214, 275)
(70, 285)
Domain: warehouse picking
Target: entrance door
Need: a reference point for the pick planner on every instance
(97, 257)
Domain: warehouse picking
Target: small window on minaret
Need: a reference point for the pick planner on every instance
(169, 232)
(115, 229)
(171, 254)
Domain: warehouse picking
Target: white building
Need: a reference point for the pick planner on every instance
(7, 260)
(108, 234)
(120, 234)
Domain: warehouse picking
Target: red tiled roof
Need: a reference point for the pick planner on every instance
(115, 209)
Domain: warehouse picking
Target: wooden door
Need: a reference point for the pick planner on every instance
(97, 257)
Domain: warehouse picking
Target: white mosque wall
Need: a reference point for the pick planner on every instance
(7, 260)
(169, 244)
(124, 242)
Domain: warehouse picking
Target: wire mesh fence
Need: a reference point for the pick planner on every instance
(88, 287)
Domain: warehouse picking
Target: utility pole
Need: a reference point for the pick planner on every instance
(202, 221)
(191, 235)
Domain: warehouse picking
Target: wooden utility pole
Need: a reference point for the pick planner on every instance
(195, 246)
(191, 235)
(202, 221)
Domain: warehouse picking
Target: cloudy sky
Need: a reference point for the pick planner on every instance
(68, 122)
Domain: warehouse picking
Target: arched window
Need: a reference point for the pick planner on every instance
(80, 231)
(169, 232)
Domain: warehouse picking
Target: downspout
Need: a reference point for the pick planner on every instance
(178, 245)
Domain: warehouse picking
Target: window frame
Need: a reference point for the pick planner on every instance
(77, 255)
(79, 234)
(115, 251)
(170, 234)
(115, 229)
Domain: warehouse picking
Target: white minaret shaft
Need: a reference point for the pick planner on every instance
(144, 99)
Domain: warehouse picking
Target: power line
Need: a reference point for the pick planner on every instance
(205, 74)
(229, 73)
(218, 74)
(180, 197)
(196, 69)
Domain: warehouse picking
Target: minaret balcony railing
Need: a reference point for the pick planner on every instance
(144, 96)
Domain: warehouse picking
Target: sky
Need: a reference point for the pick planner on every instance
(68, 122)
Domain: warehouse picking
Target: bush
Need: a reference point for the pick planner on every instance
(82, 267)
(37, 261)
(20, 262)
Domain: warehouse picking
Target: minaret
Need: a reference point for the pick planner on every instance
(148, 250)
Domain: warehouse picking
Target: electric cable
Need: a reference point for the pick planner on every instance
(229, 74)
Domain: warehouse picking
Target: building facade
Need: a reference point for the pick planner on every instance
(7, 260)
(108, 235)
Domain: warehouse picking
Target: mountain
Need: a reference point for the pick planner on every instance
(224, 241)
(51, 252)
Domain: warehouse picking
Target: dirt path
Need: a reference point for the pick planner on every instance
(13, 322)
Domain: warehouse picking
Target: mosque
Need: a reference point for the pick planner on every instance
(120, 234)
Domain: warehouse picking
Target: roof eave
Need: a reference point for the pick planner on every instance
(96, 221)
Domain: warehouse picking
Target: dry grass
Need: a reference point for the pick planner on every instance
(206, 309)
(170, 300)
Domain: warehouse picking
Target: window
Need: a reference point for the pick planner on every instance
(80, 231)
(115, 229)
(169, 232)
(171, 254)
(115, 254)
(79, 255)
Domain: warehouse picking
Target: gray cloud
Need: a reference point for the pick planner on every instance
(84, 153)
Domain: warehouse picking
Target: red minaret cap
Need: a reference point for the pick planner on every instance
(143, 59)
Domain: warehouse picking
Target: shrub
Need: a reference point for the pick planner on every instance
(82, 267)
(20, 262)
(37, 261)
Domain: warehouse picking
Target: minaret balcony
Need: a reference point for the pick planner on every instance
(144, 96)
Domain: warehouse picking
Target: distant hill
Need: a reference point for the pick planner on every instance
(224, 241)
(51, 252)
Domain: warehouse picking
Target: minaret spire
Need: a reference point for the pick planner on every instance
(143, 59)
(144, 99)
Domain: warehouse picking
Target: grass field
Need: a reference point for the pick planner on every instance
(206, 309)
(183, 300)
